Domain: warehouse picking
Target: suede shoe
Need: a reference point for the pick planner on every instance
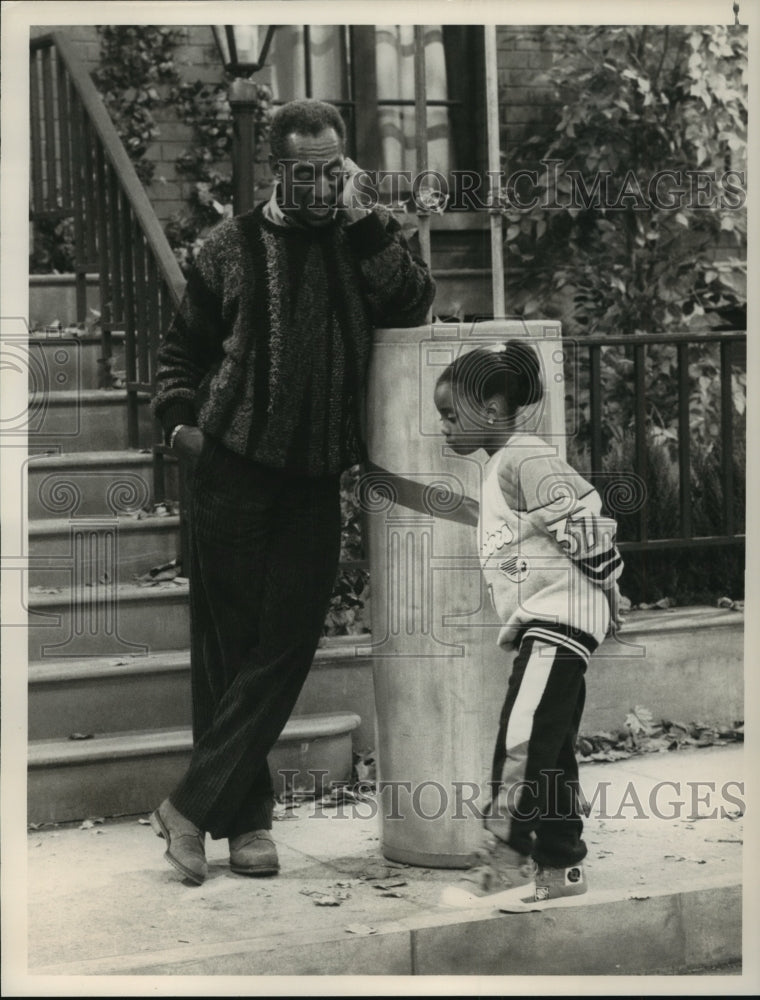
(184, 842)
(254, 853)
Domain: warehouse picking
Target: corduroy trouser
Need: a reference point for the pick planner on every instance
(265, 548)
(535, 770)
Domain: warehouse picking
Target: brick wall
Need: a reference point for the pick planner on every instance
(83, 37)
(195, 58)
(524, 101)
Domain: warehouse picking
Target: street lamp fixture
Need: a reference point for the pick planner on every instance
(243, 47)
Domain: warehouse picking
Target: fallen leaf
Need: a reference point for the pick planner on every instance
(639, 721)
(389, 884)
(361, 929)
(80, 736)
(327, 901)
(390, 894)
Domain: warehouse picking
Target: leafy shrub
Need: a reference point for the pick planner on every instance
(53, 250)
(634, 101)
(135, 60)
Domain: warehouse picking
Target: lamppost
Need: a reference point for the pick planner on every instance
(243, 50)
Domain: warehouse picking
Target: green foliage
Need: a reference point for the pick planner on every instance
(135, 60)
(348, 613)
(679, 575)
(637, 226)
(635, 101)
(207, 162)
(53, 250)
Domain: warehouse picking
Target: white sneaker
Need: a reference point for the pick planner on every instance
(502, 875)
(550, 884)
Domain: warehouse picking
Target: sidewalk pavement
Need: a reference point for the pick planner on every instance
(665, 894)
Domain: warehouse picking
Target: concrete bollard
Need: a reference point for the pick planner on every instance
(439, 677)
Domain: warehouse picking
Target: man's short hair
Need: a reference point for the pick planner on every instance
(308, 117)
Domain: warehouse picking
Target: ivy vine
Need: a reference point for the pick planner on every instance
(207, 161)
(134, 61)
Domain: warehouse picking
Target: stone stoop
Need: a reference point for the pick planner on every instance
(108, 657)
(131, 772)
(98, 695)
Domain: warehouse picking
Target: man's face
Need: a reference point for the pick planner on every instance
(310, 173)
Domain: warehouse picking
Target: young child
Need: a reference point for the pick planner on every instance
(551, 565)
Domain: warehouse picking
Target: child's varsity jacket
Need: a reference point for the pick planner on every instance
(547, 553)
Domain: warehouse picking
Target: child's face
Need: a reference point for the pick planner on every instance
(465, 432)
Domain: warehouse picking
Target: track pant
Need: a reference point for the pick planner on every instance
(535, 800)
(265, 548)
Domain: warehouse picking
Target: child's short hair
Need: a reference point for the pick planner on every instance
(513, 372)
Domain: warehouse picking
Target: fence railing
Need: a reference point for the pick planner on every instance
(687, 351)
(81, 171)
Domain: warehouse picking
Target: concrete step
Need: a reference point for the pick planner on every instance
(83, 420)
(60, 361)
(127, 773)
(63, 551)
(93, 483)
(52, 297)
(101, 695)
(107, 619)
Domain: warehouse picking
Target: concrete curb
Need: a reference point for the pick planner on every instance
(605, 934)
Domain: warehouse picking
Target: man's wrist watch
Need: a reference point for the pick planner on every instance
(174, 433)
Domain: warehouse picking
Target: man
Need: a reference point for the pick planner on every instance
(260, 385)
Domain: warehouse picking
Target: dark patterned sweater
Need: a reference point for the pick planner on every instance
(269, 349)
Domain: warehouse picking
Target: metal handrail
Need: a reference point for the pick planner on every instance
(119, 159)
(81, 170)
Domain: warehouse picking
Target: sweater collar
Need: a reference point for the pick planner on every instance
(273, 213)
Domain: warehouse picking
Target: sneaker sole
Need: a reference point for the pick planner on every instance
(576, 899)
(453, 896)
(161, 831)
